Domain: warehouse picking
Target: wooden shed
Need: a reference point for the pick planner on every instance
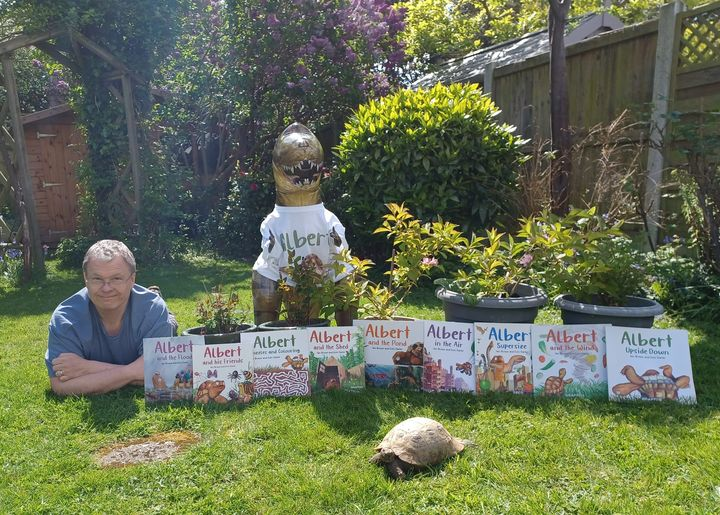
(55, 145)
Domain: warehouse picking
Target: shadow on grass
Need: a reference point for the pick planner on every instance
(364, 414)
(108, 411)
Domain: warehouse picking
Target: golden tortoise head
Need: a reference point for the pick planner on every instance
(297, 166)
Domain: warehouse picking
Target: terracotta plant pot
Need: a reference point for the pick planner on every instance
(232, 337)
(637, 312)
(522, 307)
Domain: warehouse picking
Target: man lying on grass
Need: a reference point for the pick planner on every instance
(96, 336)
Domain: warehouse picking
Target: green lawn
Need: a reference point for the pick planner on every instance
(310, 455)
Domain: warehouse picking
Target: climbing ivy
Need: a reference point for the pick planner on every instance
(139, 33)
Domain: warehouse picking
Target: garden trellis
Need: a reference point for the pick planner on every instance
(13, 151)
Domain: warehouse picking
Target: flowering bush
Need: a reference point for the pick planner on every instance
(220, 313)
(583, 255)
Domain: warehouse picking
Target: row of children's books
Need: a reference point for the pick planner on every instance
(591, 361)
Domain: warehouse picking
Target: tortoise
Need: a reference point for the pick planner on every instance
(416, 443)
(555, 385)
(651, 384)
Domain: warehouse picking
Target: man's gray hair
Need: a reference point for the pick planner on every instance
(106, 250)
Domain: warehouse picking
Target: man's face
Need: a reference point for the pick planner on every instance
(109, 283)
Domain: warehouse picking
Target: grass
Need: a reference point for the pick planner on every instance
(309, 455)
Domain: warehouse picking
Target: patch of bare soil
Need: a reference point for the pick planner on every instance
(159, 447)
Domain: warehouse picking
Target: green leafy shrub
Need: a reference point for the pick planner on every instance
(583, 255)
(683, 284)
(440, 151)
(71, 251)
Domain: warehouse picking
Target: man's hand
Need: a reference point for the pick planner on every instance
(69, 366)
(78, 376)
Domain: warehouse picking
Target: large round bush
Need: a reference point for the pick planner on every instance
(441, 151)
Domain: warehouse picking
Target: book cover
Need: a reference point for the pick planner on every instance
(649, 364)
(223, 373)
(449, 359)
(394, 353)
(503, 358)
(168, 368)
(569, 360)
(281, 362)
(336, 358)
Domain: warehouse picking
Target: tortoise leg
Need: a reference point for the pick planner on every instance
(394, 469)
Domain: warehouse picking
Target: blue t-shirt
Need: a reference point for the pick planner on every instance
(76, 327)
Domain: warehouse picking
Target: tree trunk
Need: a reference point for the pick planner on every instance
(559, 110)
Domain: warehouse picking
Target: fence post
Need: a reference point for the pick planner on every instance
(488, 77)
(661, 98)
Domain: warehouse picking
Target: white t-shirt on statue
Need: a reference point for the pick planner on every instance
(305, 230)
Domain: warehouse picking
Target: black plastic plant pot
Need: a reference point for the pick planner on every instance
(637, 312)
(232, 337)
(522, 307)
(280, 325)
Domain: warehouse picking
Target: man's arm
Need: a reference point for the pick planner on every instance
(85, 377)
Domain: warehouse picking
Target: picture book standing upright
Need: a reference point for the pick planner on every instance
(394, 353)
(281, 362)
(336, 358)
(168, 368)
(649, 364)
(569, 361)
(448, 363)
(223, 373)
(502, 358)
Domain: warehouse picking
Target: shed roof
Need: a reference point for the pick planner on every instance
(471, 67)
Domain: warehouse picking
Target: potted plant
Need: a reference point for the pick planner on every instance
(593, 266)
(307, 292)
(416, 249)
(488, 286)
(220, 317)
(485, 273)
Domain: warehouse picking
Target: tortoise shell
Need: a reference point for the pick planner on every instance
(421, 442)
(555, 385)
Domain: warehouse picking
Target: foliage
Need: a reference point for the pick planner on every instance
(234, 227)
(139, 33)
(698, 138)
(683, 284)
(416, 249)
(584, 255)
(492, 266)
(70, 252)
(307, 288)
(441, 151)
(440, 29)
(220, 313)
(11, 267)
(310, 61)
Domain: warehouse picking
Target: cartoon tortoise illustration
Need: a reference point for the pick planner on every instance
(555, 385)
(651, 385)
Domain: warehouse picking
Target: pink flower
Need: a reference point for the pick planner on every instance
(430, 261)
(526, 260)
(253, 186)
